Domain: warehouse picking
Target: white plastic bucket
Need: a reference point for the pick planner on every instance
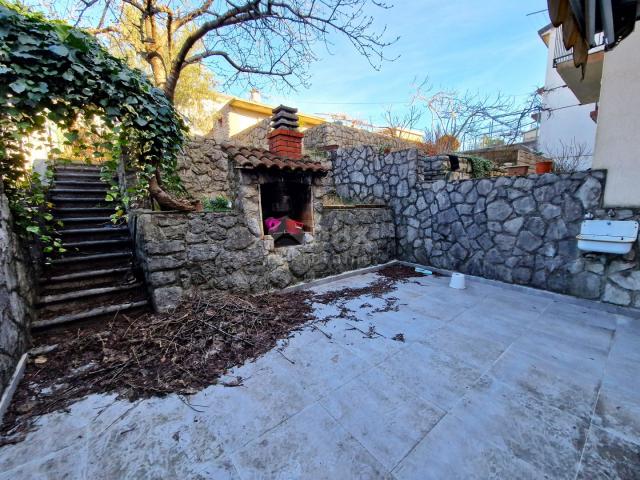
(457, 281)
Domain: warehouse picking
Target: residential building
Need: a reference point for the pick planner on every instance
(609, 76)
(567, 124)
(618, 134)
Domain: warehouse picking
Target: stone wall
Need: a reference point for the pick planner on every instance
(518, 230)
(324, 137)
(513, 154)
(254, 136)
(366, 174)
(204, 169)
(17, 295)
(438, 167)
(219, 251)
(514, 229)
(329, 135)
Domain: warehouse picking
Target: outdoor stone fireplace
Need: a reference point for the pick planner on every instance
(284, 180)
(269, 189)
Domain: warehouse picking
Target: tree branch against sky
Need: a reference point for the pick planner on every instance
(248, 40)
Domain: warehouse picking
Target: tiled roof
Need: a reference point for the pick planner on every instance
(255, 158)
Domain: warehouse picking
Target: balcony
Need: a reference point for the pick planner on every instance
(587, 89)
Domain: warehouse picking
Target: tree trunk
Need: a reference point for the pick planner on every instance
(168, 201)
(158, 70)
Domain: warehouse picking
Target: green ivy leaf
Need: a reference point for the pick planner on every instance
(33, 229)
(18, 86)
(71, 136)
(59, 50)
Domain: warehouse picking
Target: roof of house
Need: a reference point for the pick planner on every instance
(258, 158)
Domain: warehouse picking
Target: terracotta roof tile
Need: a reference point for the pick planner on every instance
(254, 158)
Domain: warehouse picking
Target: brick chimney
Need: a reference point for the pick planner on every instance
(285, 139)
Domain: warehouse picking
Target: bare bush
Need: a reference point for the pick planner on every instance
(569, 157)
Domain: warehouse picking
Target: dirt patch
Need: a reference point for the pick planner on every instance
(389, 276)
(180, 352)
(400, 272)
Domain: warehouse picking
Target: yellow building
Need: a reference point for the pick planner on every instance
(246, 120)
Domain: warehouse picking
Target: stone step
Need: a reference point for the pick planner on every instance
(77, 202)
(81, 184)
(76, 222)
(81, 294)
(81, 262)
(81, 212)
(87, 192)
(86, 279)
(76, 175)
(89, 258)
(91, 314)
(74, 166)
(107, 229)
(75, 301)
(96, 246)
(83, 275)
(68, 199)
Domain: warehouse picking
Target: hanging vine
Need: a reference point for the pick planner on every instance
(51, 72)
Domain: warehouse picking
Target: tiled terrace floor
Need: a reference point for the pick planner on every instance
(489, 383)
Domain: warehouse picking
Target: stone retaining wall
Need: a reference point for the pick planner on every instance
(254, 136)
(514, 229)
(204, 169)
(513, 154)
(330, 135)
(218, 251)
(17, 295)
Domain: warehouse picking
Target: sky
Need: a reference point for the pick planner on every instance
(485, 46)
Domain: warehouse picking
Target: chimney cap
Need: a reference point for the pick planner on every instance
(284, 108)
(284, 123)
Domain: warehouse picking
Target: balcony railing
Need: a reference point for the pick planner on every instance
(562, 55)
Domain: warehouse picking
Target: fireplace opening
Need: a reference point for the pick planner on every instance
(287, 211)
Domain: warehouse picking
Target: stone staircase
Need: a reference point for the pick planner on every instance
(95, 278)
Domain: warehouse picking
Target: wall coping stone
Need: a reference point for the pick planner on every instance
(354, 207)
(180, 212)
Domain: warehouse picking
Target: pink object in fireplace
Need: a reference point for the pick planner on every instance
(272, 223)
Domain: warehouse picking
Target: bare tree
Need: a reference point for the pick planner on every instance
(464, 115)
(569, 157)
(245, 39)
(237, 40)
(396, 123)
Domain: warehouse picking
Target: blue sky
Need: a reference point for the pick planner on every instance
(486, 46)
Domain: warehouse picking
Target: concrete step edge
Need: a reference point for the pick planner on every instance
(91, 292)
(85, 219)
(96, 243)
(88, 314)
(105, 229)
(83, 275)
(84, 258)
